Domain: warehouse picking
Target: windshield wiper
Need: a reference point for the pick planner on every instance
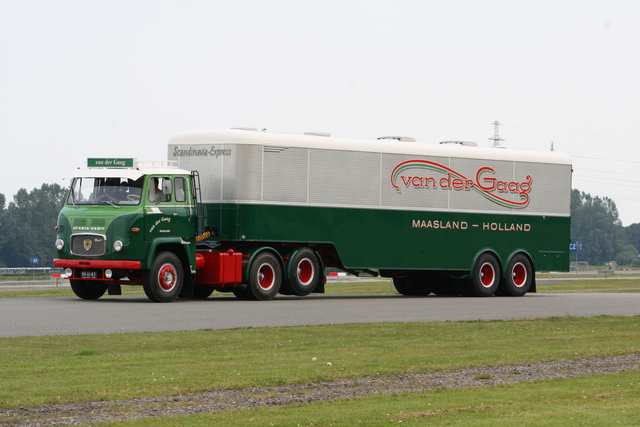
(110, 203)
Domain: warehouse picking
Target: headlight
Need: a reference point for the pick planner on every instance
(117, 246)
(108, 273)
(68, 272)
(59, 244)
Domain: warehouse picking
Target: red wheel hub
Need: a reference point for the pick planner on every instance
(167, 277)
(519, 274)
(266, 276)
(487, 275)
(305, 271)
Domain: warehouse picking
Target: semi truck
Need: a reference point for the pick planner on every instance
(258, 214)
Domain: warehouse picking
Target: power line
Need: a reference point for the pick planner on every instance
(574, 133)
(610, 172)
(617, 182)
(606, 159)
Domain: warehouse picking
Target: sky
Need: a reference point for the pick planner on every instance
(117, 78)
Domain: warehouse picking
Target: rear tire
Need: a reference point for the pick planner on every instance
(163, 282)
(304, 272)
(265, 277)
(485, 277)
(519, 276)
(88, 289)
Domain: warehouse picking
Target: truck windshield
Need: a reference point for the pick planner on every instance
(111, 191)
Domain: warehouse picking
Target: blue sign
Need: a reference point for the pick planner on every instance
(35, 260)
(575, 246)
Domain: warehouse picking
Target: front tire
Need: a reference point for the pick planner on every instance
(164, 281)
(88, 289)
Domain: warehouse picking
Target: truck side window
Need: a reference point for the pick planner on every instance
(180, 194)
(156, 192)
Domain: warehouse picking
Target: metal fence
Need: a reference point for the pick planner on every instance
(30, 270)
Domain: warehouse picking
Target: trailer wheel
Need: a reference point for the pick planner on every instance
(413, 284)
(164, 281)
(485, 276)
(450, 287)
(265, 277)
(519, 276)
(304, 272)
(88, 289)
(400, 283)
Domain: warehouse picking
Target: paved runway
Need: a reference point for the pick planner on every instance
(56, 316)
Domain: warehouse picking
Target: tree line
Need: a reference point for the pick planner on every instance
(27, 228)
(595, 223)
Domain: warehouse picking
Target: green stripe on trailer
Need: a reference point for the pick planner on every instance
(390, 239)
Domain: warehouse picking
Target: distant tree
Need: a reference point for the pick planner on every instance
(595, 222)
(28, 226)
(633, 234)
(3, 228)
(628, 254)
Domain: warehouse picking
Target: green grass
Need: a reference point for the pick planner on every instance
(56, 369)
(361, 287)
(127, 291)
(594, 285)
(597, 400)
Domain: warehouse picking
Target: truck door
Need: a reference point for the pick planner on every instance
(168, 209)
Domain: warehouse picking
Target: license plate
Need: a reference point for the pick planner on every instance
(89, 274)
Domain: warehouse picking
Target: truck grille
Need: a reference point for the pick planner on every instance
(88, 244)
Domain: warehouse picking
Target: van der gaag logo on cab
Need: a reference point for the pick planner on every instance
(410, 174)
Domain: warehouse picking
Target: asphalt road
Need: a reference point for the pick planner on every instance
(56, 316)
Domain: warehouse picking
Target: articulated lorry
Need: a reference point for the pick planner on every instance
(260, 214)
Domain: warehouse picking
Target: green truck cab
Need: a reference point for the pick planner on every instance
(128, 222)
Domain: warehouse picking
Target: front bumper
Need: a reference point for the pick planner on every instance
(97, 263)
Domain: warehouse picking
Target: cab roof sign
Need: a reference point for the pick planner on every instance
(110, 162)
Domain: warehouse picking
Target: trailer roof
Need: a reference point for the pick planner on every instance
(222, 136)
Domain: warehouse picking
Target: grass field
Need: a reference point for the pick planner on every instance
(599, 400)
(59, 369)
